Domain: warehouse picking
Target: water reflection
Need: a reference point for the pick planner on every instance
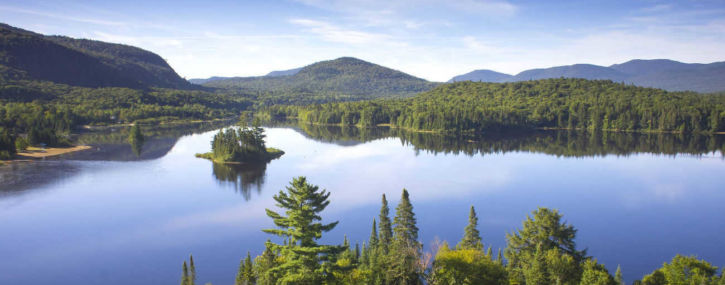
(552, 142)
(242, 177)
(112, 143)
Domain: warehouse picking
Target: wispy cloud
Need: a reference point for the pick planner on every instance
(334, 33)
(63, 16)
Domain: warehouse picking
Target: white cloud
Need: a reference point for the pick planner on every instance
(333, 33)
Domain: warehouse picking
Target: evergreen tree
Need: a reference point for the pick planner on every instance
(534, 271)
(373, 241)
(404, 257)
(185, 275)
(264, 264)
(471, 235)
(304, 261)
(245, 275)
(136, 139)
(386, 228)
(595, 274)
(618, 279)
(192, 271)
(543, 233)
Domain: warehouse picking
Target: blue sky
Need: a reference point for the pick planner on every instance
(432, 39)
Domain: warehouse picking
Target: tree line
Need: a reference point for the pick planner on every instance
(550, 103)
(542, 252)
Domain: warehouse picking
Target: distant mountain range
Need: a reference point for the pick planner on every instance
(345, 76)
(658, 73)
(26, 55)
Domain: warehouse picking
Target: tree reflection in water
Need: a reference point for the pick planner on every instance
(243, 177)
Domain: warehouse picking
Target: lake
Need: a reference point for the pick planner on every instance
(118, 214)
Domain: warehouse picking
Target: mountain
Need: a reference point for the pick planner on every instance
(26, 55)
(284, 72)
(675, 76)
(585, 71)
(201, 81)
(346, 77)
(484, 75)
(665, 74)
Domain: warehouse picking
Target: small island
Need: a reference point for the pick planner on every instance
(240, 145)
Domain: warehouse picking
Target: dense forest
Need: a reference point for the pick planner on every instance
(542, 252)
(79, 62)
(554, 142)
(342, 79)
(240, 145)
(549, 103)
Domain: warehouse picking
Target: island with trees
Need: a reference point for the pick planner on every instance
(239, 145)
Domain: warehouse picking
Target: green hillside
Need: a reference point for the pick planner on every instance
(29, 56)
(550, 103)
(343, 79)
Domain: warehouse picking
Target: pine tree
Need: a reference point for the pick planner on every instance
(304, 260)
(192, 271)
(471, 235)
(241, 277)
(404, 257)
(535, 271)
(373, 236)
(618, 276)
(185, 274)
(386, 228)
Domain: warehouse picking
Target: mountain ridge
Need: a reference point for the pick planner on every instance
(26, 55)
(664, 74)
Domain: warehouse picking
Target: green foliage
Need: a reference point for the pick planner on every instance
(7, 144)
(303, 260)
(471, 235)
(136, 139)
(404, 255)
(240, 145)
(618, 279)
(551, 103)
(82, 62)
(21, 143)
(245, 275)
(684, 270)
(595, 274)
(544, 249)
(386, 226)
(342, 79)
(466, 266)
(188, 276)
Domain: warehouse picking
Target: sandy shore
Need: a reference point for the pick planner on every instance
(35, 152)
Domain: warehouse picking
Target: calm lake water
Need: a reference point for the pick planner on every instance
(114, 215)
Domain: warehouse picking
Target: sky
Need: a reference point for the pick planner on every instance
(431, 39)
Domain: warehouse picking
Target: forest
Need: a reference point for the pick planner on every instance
(562, 103)
(240, 145)
(543, 251)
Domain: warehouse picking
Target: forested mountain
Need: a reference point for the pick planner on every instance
(585, 71)
(658, 73)
(344, 78)
(201, 81)
(25, 55)
(483, 75)
(550, 103)
(284, 72)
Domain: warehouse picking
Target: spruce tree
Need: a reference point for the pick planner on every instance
(305, 261)
(618, 276)
(471, 235)
(192, 271)
(404, 256)
(386, 228)
(373, 236)
(185, 274)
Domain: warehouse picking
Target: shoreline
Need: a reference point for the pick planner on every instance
(35, 153)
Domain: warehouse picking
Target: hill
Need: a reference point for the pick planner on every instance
(344, 78)
(483, 75)
(561, 103)
(26, 55)
(665, 74)
(284, 72)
